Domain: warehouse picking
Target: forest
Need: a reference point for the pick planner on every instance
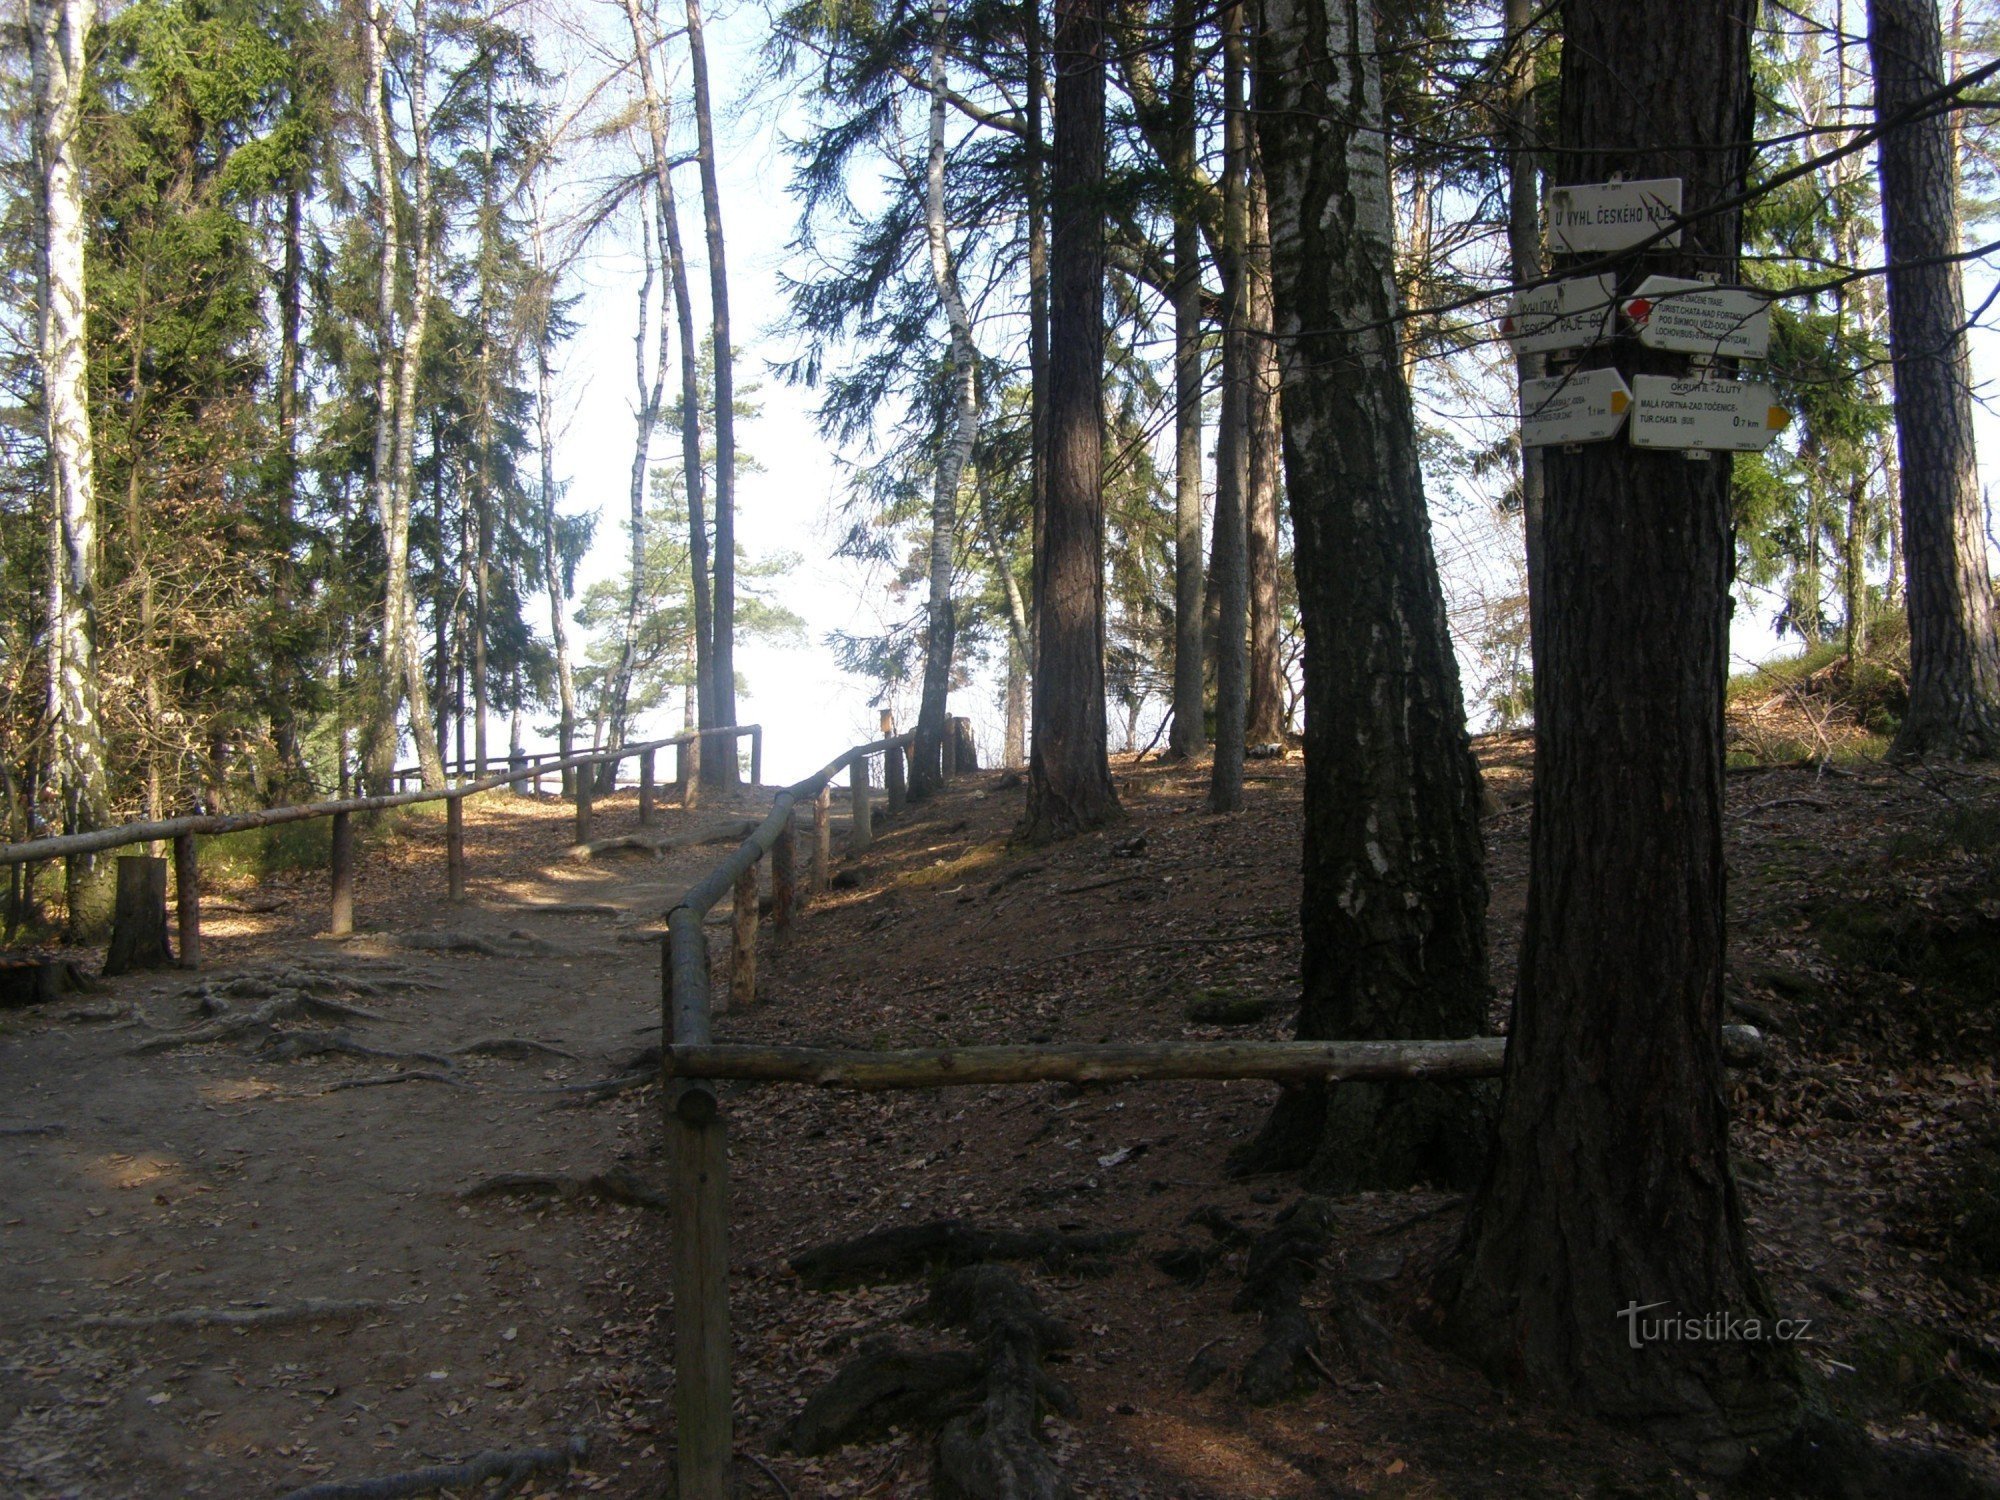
(1335, 425)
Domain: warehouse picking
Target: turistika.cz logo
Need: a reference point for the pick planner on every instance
(1710, 1328)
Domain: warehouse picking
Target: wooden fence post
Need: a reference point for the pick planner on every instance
(687, 773)
(454, 847)
(893, 776)
(645, 787)
(860, 829)
(187, 899)
(698, 1237)
(756, 756)
(743, 953)
(538, 778)
(784, 876)
(822, 838)
(586, 782)
(343, 875)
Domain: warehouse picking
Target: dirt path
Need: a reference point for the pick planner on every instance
(250, 1173)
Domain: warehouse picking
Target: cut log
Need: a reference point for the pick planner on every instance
(905, 1251)
(657, 845)
(960, 1067)
(139, 920)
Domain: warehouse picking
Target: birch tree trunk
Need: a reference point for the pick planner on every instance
(1609, 1183)
(721, 769)
(1229, 560)
(1954, 650)
(927, 761)
(1069, 773)
(398, 360)
(1394, 895)
(654, 102)
(58, 32)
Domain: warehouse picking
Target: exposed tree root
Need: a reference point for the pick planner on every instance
(291, 1046)
(511, 1469)
(1282, 1261)
(912, 1249)
(310, 1310)
(510, 946)
(1841, 1461)
(291, 1006)
(513, 1048)
(1190, 1264)
(617, 1185)
(569, 909)
(383, 1080)
(658, 844)
(638, 1070)
(9, 1132)
(884, 1386)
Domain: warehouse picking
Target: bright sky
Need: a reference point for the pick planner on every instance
(809, 708)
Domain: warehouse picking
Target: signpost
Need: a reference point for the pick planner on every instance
(1720, 416)
(1569, 314)
(1586, 406)
(1694, 317)
(1601, 217)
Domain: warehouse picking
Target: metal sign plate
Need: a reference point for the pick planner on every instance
(1569, 314)
(1694, 317)
(1718, 416)
(1586, 406)
(1598, 217)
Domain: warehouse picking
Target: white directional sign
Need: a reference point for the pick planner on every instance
(1723, 416)
(1695, 317)
(1586, 406)
(1569, 314)
(1596, 217)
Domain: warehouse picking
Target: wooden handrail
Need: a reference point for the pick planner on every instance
(62, 846)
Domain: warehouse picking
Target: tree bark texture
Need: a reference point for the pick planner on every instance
(1069, 774)
(1610, 1183)
(723, 768)
(58, 32)
(1229, 566)
(955, 449)
(1394, 894)
(1189, 735)
(1954, 651)
(1264, 709)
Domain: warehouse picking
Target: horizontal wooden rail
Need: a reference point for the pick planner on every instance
(1133, 1062)
(209, 824)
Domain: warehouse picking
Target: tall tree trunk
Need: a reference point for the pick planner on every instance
(1522, 133)
(58, 32)
(927, 761)
(1854, 572)
(1610, 1184)
(1954, 651)
(1069, 771)
(1033, 40)
(398, 359)
(1190, 729)
(1393, 903)
(1020, 637)
(645, 416)
(288, 663)
(721, 769)
(1264, 713)
(669, 231)
(1229, 564)
(552, 560)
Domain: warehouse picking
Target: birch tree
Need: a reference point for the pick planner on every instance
(955, 447)
(58, 34)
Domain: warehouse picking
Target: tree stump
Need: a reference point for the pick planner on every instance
(960, 746)
(139, 921)
(28, 980)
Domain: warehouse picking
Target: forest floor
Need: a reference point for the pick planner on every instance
(1865, 940)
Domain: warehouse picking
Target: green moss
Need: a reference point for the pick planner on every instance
(1902, 1367)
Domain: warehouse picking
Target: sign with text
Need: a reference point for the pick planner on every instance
(1600, 217)
(1719, 416)
(1569, 314)
(1586, 406)
(1695, 317)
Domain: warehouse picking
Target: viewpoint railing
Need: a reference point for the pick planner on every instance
(692, 1063)
(185, 831)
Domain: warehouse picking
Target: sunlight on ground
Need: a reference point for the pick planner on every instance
(236, 1090)
(1221, 1461)
(119, 1169)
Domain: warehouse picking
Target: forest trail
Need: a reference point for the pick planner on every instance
(254, 1172)
(1865, 905)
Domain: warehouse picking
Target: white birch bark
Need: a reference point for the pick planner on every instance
(956, 450)
(57, 33)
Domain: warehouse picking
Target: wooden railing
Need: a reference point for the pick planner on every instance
(533, 765)
(692, 1063)
(185, 831)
